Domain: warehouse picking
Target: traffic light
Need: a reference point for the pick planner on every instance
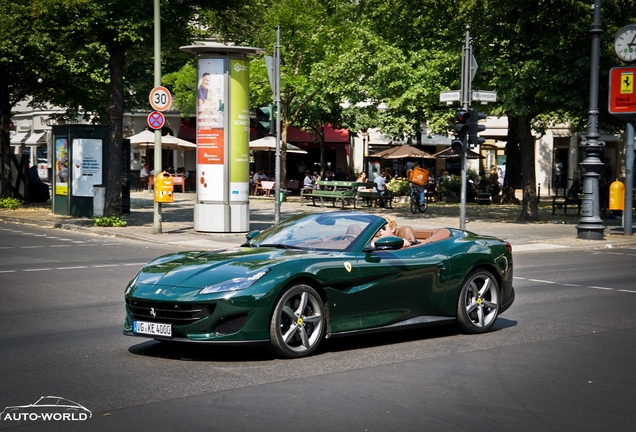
(462, 119)
(473, 138)
(457, 145)
(265, 120)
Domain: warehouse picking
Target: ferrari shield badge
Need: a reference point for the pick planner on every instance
(347, 265)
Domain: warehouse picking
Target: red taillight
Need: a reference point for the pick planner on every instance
(508, 246)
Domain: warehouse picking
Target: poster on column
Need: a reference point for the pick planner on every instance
(210, 129)
(61, 166)
(86, 166)
(239, 130)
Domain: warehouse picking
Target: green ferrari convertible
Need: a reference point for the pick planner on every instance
(318, 276)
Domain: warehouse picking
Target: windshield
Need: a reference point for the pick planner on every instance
(335, 231)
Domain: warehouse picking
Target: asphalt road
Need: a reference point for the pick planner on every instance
(561, 358)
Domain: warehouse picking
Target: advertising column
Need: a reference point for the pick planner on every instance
(222, 145)
(239, 143)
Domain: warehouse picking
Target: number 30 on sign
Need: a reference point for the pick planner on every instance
(160, 98)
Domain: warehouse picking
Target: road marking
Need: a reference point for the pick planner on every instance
(30, 247)
(536, 246)
(36, 270)
(56, 246)
(576, 285)
(70, 268)
(106, 265)
(7, 271)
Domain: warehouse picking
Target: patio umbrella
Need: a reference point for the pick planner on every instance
(146, 140)
(448, 153)
(268, 143)
(407, 151)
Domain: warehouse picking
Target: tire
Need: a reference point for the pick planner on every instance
(298, 322)
(413, 206)
(479, 302)
(423, 207)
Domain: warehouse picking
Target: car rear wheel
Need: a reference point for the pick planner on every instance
(479, 301)
(298, 322)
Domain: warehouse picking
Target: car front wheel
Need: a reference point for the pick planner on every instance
(478, 305)
(298, 322)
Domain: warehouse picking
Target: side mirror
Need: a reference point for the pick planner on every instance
(389, 243)
(252, 234)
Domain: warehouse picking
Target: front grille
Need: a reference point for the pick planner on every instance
(176, 314)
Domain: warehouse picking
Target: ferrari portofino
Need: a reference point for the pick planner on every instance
(318, 276)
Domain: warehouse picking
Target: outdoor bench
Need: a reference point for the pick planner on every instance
(571, 199)
(371, 196)
(342, 191)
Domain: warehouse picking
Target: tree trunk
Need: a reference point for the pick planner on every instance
(529, 204)
(113, 203)
(5, 139)
(511, 178)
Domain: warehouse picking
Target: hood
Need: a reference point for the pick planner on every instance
(198, 269)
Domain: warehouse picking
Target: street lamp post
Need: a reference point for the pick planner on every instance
(590, 225)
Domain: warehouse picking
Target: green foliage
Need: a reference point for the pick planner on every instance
(451, 186)
(399, 186)
(183, 86)
(109, 221)
(10, 203)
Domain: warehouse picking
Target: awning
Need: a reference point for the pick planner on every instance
(34, 138)
(332, 136)
(18, 138)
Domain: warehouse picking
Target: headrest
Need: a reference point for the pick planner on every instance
(407, 233)
(354, 229)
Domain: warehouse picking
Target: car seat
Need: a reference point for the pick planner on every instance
(354, 229)
(407, 233)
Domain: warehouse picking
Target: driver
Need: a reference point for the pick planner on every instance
(389, 229)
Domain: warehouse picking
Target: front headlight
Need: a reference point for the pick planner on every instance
(235, 284)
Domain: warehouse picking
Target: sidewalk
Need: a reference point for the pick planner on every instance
(553, 231)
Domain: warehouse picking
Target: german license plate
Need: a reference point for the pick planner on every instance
(154, 329)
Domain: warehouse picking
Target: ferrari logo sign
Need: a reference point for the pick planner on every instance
(622, 94)
(347, 266)
(627, 82)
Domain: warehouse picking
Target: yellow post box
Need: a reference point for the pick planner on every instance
(164, 188)
(617, 196)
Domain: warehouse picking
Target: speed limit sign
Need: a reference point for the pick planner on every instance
(160, 98)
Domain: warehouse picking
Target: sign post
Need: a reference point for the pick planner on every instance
(622, 104)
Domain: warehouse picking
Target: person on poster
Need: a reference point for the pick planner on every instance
(204, 85)
(62, 171)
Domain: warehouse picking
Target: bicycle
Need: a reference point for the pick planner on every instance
(415, 201)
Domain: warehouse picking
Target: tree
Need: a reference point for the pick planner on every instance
(535, 54)
(54, 51)
(28, 54)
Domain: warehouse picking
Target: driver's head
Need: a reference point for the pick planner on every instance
(389, 228)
